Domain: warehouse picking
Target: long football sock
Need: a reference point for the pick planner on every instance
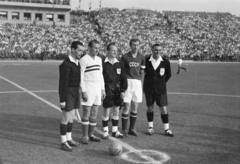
(150, 117)
(114, 125)
(165, 121)
(92, 125)
(63, 131)
(133, 118)
(69, 131)
(105, 123)
(124, 121)
(85, 126)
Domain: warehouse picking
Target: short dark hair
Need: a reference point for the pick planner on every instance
(156, 45)
(134, 40)
(75, 44)
(109, 45)
(94, 41)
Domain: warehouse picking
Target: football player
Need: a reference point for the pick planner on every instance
(134, 65)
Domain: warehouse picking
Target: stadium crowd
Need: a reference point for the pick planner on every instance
(196, 35)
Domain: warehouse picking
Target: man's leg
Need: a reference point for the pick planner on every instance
(63, 130)
(150, 117)
(105, 119)
(164, 117)
(93, 123)
(70, 141)
(133, 119)
(85, 123)
(115, 119)
(183, 68)
(178, 69)
(125, 112)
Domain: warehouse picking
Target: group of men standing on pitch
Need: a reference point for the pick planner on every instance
(110, 82)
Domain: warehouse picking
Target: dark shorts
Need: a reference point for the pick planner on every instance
(112, 96)
(72, 99)
(161, 100)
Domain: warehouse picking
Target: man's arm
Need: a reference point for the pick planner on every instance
(82, 85)
(64, 72)
(123, 82)
(102, 81)
(83, 68)
(168, 71)
(143, 66)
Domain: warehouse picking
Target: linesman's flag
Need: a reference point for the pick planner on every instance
(100, 4)
(79, 6)
(90, 5)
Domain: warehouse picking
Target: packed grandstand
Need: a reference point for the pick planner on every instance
(196, 35)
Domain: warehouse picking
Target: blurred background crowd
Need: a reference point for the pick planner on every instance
(195, 35)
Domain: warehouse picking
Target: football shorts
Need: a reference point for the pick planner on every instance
(134, 91)
(112, 96)
(161, 100)
(72, 99)
(94, 92)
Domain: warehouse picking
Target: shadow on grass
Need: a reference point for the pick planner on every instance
(36, 130)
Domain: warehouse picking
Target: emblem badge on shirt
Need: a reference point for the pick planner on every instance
(162, 71)
(118, 71)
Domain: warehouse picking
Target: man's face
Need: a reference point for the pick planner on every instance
(134, 47)
(94, 50)
(78, 52)
(112, 53)
(156, 51)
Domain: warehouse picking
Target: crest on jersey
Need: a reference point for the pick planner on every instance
(118, 71)
(162, 71)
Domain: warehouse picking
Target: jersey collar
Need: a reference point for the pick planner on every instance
(107, 60)
(72, 60)
(159, 59)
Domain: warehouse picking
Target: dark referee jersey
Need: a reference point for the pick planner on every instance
(69, 77)
(114, 74)
(155, 80)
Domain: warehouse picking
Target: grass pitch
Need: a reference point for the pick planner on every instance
(204, 114)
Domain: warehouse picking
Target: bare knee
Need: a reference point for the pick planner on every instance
(106, 113)
(150, 108)
(134, 107)
(115, 113)
(163, 110)
(126, 108)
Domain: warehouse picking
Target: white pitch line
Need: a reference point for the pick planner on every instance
(172, 93)
(36, 91)
(57, 108)
(31, 93)
(203, 94)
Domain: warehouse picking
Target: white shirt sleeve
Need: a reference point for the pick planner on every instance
(102, 79)
(83, 68)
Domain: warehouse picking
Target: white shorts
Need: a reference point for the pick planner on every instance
(134, 91)
(179, 62)
(94, 92)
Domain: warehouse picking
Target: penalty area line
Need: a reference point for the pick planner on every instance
(125, 145)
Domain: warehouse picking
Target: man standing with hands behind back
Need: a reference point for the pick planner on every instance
(69, 83)
(157, 74)
(93, 90)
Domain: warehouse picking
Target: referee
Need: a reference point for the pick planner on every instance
(69, 84)
(157, 74)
